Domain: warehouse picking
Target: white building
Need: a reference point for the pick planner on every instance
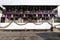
(13, 25)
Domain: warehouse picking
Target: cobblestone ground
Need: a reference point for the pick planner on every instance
(17, 35)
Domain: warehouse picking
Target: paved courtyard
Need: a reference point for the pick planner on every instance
(30, 35)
